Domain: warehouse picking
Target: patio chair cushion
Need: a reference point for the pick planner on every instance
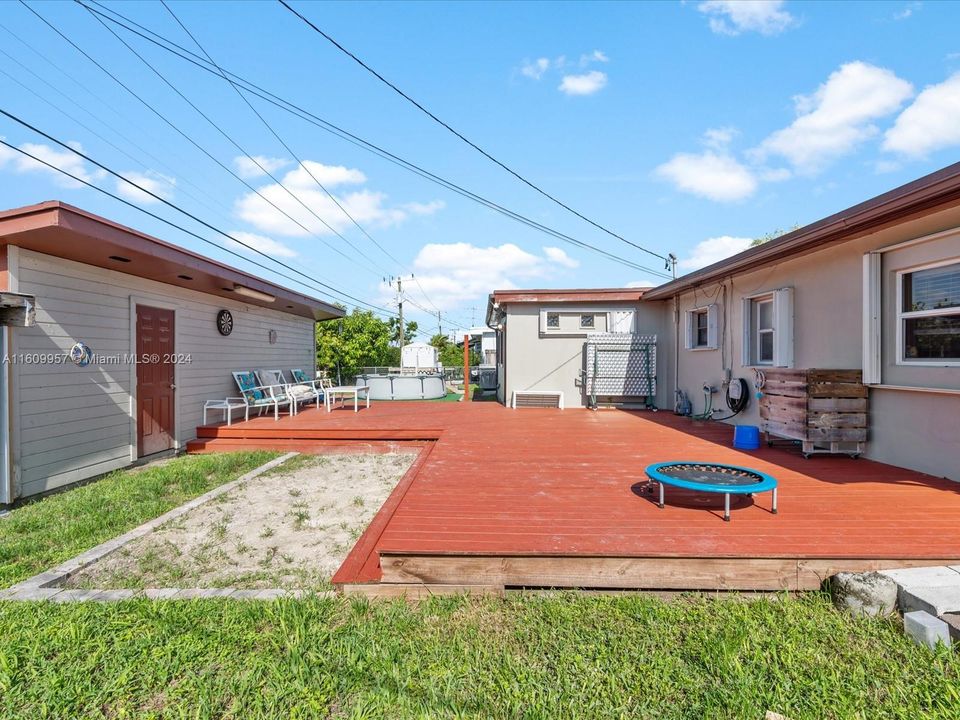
(299, 376)
(247, 382)
(271, 378)
(301, 392)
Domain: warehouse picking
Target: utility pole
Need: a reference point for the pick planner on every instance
(439, 323)
(402, 328)
(400, 305)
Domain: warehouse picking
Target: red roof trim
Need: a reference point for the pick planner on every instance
(571, 295)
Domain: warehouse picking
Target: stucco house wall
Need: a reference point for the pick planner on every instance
(70, 423)
(537, 360)
(914, 410)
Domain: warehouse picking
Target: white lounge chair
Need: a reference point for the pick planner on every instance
(316, 386)
(302, 389)
(274, 380)
(253, 394)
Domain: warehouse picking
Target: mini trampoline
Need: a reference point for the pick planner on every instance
(713, 478)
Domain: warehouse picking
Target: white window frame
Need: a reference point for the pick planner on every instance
(782, 331)
(711, 312)
(757, 333)
(902, 315)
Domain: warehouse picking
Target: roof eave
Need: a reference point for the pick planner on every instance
(930, 192)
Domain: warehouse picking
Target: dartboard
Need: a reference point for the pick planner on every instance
(224, 322)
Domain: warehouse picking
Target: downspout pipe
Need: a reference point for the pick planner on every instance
(7, 490)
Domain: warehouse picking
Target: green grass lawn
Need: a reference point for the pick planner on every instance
(53, 529)
(560, 656)
(566, 656)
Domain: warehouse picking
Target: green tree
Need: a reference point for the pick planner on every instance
(771, 236)
(451, 355)
(359, 339)
(440, 341)
(409, 332)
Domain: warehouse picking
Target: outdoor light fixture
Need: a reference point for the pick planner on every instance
(255, 294)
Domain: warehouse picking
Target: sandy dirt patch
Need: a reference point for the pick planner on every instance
(290, 528)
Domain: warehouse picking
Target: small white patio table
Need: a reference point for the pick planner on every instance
(345, 391)
(228, 405)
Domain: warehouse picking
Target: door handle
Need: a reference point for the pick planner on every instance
(172, 386)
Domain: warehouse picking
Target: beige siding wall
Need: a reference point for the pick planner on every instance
(70, 423)
(541, 361)
(908, 428)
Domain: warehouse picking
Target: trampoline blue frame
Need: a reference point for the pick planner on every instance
(767, 483)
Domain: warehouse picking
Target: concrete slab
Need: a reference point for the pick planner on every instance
(244, 594)
(115, 595)
(925, 629)
(32, 594)
(953, 622)
(160, 593)
(936, 576)
(934, 600)
(66, 596)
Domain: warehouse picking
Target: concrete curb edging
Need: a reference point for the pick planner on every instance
(55, 594)
(47, 585)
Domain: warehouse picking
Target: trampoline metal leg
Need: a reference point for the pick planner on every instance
(774, 501)
(726, 507)
(661, 495)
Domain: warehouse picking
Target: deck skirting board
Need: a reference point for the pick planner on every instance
(649, 573)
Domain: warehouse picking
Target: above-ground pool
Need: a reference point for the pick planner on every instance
(403, 387)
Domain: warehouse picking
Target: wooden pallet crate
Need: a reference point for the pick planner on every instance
(826, 410)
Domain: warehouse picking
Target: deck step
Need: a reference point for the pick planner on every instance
(283, 432)
(313, 447)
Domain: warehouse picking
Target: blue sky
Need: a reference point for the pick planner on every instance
(684, 127)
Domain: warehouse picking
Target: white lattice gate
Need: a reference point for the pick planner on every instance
(622, 366)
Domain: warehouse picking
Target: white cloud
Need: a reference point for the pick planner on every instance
(643, 283)
(560, 257)
(63, 159)
(835, 119)
(714, 175)
(368, 207)
(427, 208)
(732, 17)
(151, 181)
(932, 122)
(585, 84)
(713, 250)
(536, 68)
(258, 165)
(595, 56)
(261, 243)
(719, 138)
(907, 10)
(455, 273)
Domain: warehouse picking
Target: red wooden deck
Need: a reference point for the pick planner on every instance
(553, 498)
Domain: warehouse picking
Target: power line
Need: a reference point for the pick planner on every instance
(465, 139)
(236, 145)
(323, 124)
(289, 150)
(176, 207)
(100, 102)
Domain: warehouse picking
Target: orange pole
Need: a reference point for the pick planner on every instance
(466, 367)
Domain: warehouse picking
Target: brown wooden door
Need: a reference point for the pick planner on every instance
(155, 386)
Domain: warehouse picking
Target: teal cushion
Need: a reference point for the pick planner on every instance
(248, 386)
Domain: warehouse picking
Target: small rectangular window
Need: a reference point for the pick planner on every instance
(586, 321)
(553, 320)
(930, 314)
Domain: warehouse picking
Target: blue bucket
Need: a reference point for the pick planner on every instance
(746, 437)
